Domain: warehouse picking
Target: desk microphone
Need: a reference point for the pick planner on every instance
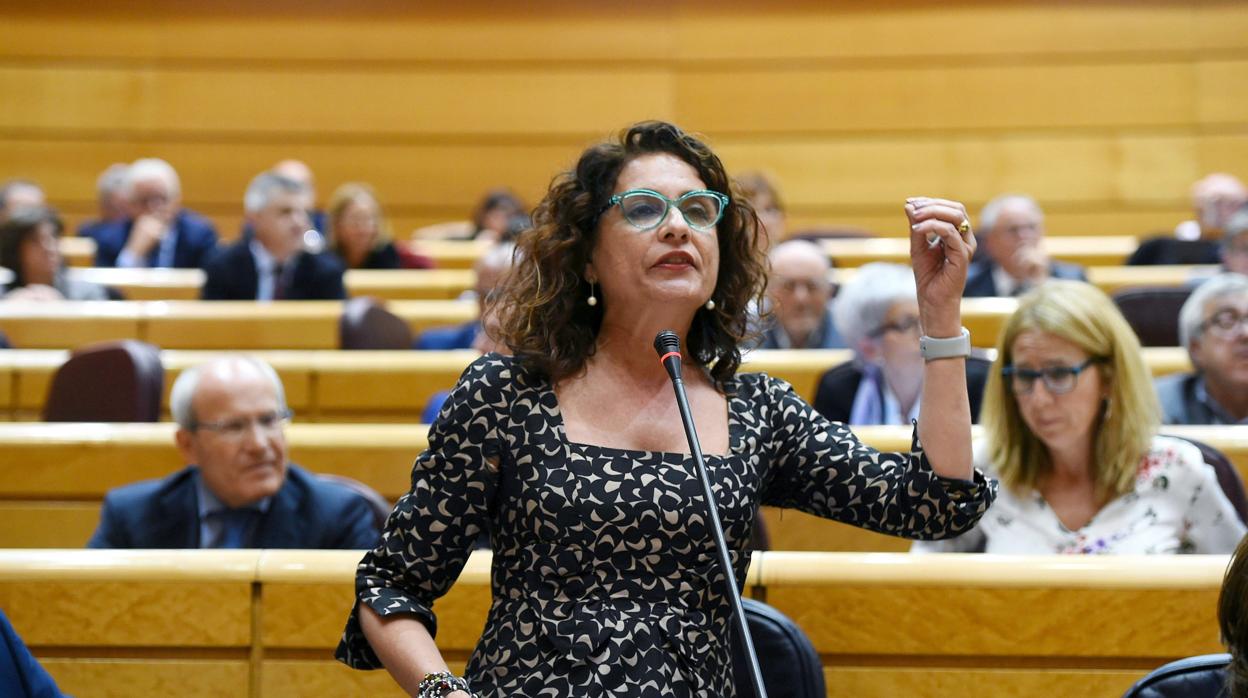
(667, 344)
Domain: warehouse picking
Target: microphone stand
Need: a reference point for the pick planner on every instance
(667, 344)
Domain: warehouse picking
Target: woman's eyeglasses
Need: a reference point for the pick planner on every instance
(645, 209)
(1058, 379)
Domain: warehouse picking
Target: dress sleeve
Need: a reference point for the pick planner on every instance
(433, 527)
(1210, 523)
(821, 468)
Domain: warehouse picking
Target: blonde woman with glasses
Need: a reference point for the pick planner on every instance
(1071, 432)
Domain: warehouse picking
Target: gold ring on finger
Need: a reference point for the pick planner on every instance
(964, 227)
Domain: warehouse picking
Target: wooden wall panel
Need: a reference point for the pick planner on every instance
(1104, 111)
(124, 678)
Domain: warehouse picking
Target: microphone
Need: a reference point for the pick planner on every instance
(667, 345)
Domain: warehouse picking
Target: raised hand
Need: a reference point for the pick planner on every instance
(941, 247)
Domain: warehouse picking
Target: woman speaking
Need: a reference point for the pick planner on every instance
(571, 452)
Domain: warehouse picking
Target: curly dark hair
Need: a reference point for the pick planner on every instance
(544, 317)
(1233, 619)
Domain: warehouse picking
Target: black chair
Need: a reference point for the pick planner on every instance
(119, 381)
(1153, 313)
(379, 504)
(790, 664)
(365, 324)
(1166, 249)
(1194, 677)
(1228, 477)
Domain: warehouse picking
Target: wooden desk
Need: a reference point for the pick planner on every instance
(76, 251)
(205, 324)
(262, 623)
(54, 476)
(184, 284)
(1087, 250)
(394, 386)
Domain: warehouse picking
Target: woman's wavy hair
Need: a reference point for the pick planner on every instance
(1233, 619)
(1083, 315)
(544, 317)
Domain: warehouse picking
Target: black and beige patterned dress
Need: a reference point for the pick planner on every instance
(605, 581)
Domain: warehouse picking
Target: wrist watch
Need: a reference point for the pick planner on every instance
(933, 348)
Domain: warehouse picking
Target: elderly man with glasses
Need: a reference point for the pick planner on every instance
(238, 490)
(1213, 327)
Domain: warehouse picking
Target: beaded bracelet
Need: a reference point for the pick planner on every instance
(440, 684)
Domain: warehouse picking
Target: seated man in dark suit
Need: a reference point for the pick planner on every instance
(158, 231)
(1011, 234)
(1213, 327)
(1215, 199)
(800, 290)
(282, 259)
(238, 491)
(490, 268)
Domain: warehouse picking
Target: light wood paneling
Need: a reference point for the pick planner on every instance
(123, 678)
(296, 679)
(47, 524)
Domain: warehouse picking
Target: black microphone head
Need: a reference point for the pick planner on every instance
(666, 342)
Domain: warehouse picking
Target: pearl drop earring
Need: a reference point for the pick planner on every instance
(710, 304)
(592, 300)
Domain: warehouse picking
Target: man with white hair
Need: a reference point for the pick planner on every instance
(1215, 200)
(238, 490)
(490, 268)
(1213, 327)
(281, 259)
(800, 288)
(1011, 233)
(158, 232)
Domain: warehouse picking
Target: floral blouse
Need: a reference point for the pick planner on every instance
(605, 577)
(1177, 506)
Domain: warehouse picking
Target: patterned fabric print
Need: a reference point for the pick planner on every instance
(604, 577)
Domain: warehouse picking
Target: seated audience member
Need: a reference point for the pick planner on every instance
(765, 198)
(272, 263)
(1071, 432)
(357, 231)
(877, 313)
(21, 675)
(299, 171)
(111, 199)
(19, 195)
(1011, 234)
(158, 231)
(490, 269)
(28, 249)
(238, 490)
(1213, 327)
(1234, 248)
(500, 216)
(1233, 620)
(1214, 200)
(800, 291)
(485, 342)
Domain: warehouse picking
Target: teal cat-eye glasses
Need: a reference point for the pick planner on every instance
(645, 209)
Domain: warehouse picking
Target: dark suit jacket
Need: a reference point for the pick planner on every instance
(305, 513)
(1167, 249)
(231, 276)
(834, 398)
(197, 240)
(454, 337)
(979, 281)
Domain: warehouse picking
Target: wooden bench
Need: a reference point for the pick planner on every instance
(394, 386)
(205, 324)
(434, 284)
(54, 476)
(263, 623)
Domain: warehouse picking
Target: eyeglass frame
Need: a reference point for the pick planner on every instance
(907, 324)
(1008, 373)
(617, 199)
(1208, 324)
(223, 426)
